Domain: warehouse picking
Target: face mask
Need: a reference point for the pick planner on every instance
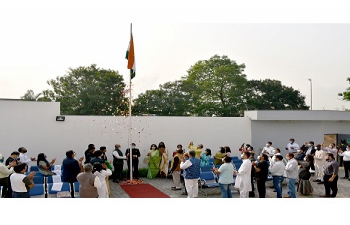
(330, 146)
(316, 148)
(273, 151)
(153, 147)
(305, 159)
(267, 145)
(258, 157)
(298, 151)
(347, 149)
(308, 145)
(2, 160)
(242, 155)
(290, 142)
(134, 146)
(178, 148)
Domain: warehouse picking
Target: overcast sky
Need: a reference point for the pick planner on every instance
(40, 41)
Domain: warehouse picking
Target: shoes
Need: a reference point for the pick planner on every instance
(274, 191)
(286, 196)
(176, 189)
(183, 193)
(317, 180)
(272, 187)
(173, 188)
(321, 182)
(324, 196)
(344, 178)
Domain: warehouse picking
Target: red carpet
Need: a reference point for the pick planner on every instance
(143, 191)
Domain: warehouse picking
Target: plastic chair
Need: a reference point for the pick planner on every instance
(34, 168)
(53, 193)
(237, 165)
(38, 179)
(208, 179)
(38, 191)
(234, 158)
(76, 186)
(206, 168)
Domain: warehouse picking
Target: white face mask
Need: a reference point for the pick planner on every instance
(242, 155)
(273, 151)
(267, 145)
(258, 157)
(330, 146)
(315, 148)
(298, 151)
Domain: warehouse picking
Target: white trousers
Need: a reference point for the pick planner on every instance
(192, 188)
(319, 172)
(244, 194)
(176, 179)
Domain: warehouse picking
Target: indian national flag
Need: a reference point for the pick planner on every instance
(130, 56)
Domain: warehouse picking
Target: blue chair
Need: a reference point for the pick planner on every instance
(237, 165)
(208, 179)
(65, 188)
(234, 158)
(38, 191)
(76, 186)
(38, 179)
(34, 168)
(237, 161)
(206, 168)
(211, 160)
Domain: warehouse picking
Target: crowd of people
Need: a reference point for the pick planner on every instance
(185, 166)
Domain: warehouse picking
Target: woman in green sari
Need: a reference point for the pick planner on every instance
(154, 162)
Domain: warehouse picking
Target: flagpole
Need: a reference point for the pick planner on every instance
(130, 129)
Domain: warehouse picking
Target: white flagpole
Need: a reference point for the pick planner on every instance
(130, 129)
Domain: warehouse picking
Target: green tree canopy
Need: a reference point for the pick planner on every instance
(40, 97)
(217, 86)
(90, 91)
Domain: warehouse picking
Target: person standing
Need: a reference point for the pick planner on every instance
(70, 169)
(304, 185)
(262, 170)
(175, 168)
(292, 147)
(346, 161)
(135, 154)
(192, 172)
(226, 177)
(243, 181)
(277, 170)
(97, 157)
(89, 153)
(103, 149)
(268, 149)
(89, 183)
(153, 161)
(342, 147)
(164, 162)
(23, 158)
(13, 156)
(330, 178)
(219, 156)
(5, 172)
(118, 163)
(198, 150)
(291, 174)
(102, 172)
(205, 156)
(21, 183)
(320, 159)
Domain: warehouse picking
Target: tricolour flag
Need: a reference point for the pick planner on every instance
(130, 56)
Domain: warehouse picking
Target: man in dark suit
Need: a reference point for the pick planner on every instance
(135, 160)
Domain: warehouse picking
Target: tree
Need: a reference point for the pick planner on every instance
(30, 96)
(271, 94)
(90, 91)
(169, 100)
(216, 86)
(346, 94)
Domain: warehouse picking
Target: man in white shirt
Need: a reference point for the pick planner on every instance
(291, 173)
(277, 170)
(292, 147)
(23, 156)
(243, 181)
(320, 160)
(346, 161)
(268, 149)
(5, 172)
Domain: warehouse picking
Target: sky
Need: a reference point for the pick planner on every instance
(40, 41)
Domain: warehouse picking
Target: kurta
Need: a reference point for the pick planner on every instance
(243, 182)
(103, 190)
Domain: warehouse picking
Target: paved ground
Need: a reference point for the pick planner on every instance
(165, 185)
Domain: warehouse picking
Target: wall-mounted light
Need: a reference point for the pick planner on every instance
(60, 118)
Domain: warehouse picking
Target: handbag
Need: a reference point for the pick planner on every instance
(146, 160)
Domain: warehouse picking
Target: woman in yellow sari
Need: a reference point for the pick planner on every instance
(164, 163)
(153, 162)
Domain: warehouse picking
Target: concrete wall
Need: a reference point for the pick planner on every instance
(34, 126)
(279, 132)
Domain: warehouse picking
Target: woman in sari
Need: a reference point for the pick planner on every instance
(153, 162)
(304, 184)
(164, 163)
(44, 166)
(205, 156)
